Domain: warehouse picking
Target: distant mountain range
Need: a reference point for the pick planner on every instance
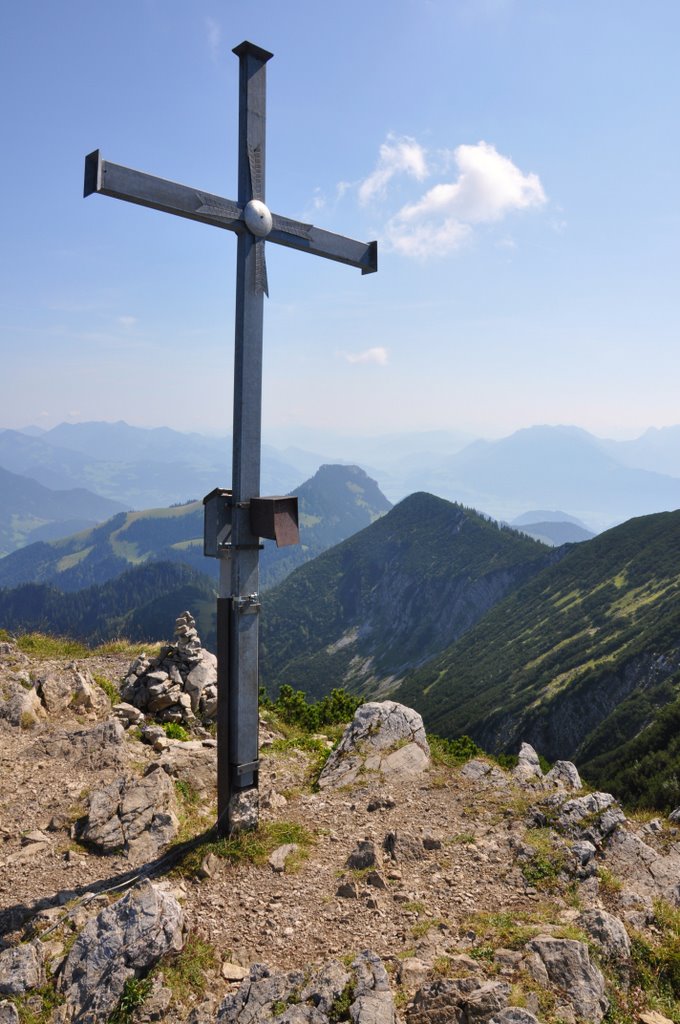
(335, 503)
(551, 467)
(599, 481)
(367, 611)
(136, 467)
(552, 527)
(29, 511)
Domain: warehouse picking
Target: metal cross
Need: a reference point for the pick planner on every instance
(238, 602)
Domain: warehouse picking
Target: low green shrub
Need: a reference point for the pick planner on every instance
(291, 706)
(175, 731)
(453, 752)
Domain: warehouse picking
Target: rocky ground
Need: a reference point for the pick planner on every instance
(402, 889)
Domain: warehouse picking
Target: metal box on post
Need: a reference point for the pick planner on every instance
(275, 518)
(217, 523)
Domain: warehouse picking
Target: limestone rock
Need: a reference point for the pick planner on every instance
(122, 941)
(253, 1002)
(87, 694)
(73, 686)
(568, 967)
(55, 691)
(528, 767)
(233, 972)
(128, 714)
(382, 803)
(400, 847)
(480, 771)
(22, 707)
(277, 860)
(270, 800)
(21, 968)
(192, 763)
(608, 932)
(326, 986)
(135, 815)
(310, 996)
(210, 866)
(463, 1000)
(385, 737)
(373, 1003)
(8, 1012)
(653, 1017)
(563, 775)
(513, 1015)
(243, 810)
(413, 973)
(102, 746)
(156, 1002)
(348, 890)
(593, 817)
(647, 872)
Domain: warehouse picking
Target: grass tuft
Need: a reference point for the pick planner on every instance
(109, 688)
(184, 972)
(42, 645)
(253, 847)
(135, 992)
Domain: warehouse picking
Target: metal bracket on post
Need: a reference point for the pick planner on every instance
(217, 521)
(250, 603)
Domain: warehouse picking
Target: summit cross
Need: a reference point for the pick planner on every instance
(242, 517)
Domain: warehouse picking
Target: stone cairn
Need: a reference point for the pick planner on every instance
(180, 685)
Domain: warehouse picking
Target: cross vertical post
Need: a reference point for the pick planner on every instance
(239, 575)
(235, 520)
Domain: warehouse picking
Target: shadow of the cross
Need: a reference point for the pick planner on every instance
(16, 917)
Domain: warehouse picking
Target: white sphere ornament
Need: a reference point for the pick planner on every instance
(258, 218)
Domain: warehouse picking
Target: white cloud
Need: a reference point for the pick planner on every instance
(489, 186)
(214, 37)
(397, 155)
(318, 199)
(377, 355)
(127, 321)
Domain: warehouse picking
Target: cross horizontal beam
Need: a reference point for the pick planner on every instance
(111, 179)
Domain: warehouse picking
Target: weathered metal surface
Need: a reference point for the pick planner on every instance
(244, 672)
(276, 519)
(217, 523)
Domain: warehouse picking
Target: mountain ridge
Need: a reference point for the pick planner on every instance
(386, 597)
(556, 661)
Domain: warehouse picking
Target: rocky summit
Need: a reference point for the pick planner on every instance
(393, 878)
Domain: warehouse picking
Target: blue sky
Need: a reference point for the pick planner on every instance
(518, 161)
